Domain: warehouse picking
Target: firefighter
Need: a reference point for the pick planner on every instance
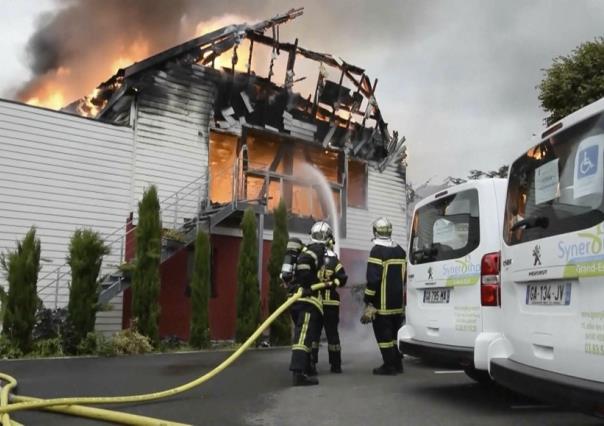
(384, 295)
(307, 311)
(334, 276)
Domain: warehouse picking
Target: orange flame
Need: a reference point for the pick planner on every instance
(225, 60)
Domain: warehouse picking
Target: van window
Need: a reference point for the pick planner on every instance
(557, 186)
(446, 228)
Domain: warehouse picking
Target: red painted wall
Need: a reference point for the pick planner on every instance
(175, 302)
(223, 306)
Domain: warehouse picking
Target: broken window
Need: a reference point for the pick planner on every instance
(223, 152)
(279, 168)
(357, 184)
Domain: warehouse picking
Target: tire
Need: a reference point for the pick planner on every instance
(480, 376)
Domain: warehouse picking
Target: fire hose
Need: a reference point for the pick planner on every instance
(76, 405)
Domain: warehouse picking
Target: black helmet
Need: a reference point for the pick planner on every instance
(321, 232)
(382, 228)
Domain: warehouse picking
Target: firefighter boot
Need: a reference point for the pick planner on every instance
(398, 365)
(312, 369)
(300, 379)
(384, 370)
(335, 359)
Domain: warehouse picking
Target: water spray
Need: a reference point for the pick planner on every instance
(326, 195)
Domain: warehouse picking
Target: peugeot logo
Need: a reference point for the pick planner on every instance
(430, 273)
(537, 255)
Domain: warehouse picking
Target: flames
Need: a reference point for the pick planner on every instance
(225, 60)
(65, 84)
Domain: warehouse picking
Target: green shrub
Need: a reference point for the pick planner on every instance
(9, 349)
(248, 299)
(200, 293)
(172, 343)
(130, 342)
(21, 266)
(47, 347)
(95, 344)
(86, 251)
(280, 333)
(145, 277)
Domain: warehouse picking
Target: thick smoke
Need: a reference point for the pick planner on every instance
(85, 41)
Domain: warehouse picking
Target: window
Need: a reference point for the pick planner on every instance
(283, 165)
(223, 152)
(557, 186)
(447, 228)
(357, 184)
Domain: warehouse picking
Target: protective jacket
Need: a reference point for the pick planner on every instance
(309, 264)
(385, 277)
(332, 271)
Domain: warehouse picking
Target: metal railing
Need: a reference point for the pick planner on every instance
(179, 208)
(183, 204)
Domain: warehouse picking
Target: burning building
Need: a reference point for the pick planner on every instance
(233, 119)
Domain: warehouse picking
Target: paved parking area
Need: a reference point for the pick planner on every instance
(256, 391)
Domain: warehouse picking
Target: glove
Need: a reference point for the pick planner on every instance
(306, 292)
(368, 314)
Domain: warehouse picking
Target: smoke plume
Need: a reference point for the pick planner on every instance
(87, 41)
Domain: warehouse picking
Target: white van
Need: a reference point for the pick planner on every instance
(453, 273)
(552, 347)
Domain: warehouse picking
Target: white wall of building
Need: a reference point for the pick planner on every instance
(59, 172)
(385, 197)
(171, 141)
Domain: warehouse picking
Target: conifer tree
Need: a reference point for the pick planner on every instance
(86, 251)
(281, 327)
(145, 276)
(21, 267)
(200, 293)
(248, 299)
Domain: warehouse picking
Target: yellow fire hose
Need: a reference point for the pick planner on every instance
(72, 405)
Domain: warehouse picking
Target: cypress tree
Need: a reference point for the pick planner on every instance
(145, 276)
(86, 251)
(280, 328)
(248, 299)
(21, 266)
(200, 292)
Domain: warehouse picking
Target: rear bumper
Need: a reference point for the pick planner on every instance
(581, 394)
(443, 354)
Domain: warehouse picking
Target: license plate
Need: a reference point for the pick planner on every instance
(548, 293)
(437, 295)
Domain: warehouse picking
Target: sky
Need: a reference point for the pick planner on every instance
(456, 78)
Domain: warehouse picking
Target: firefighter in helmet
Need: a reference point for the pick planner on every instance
(384, 295)
(334, 276)
(307, 311)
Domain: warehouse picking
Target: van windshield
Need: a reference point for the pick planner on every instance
(447, 228)
(557, 186)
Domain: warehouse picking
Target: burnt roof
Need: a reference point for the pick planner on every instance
(344, 119)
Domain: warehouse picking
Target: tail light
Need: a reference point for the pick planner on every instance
(490, 289)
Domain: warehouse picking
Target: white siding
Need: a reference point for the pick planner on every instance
(386, 197)
(60, 172)
(171, 134)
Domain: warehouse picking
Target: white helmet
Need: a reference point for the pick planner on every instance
(382, 229)
(321, 232)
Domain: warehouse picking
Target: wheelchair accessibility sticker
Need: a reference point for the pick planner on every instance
(588, 162)
(588, 170)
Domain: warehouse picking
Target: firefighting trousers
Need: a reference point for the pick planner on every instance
(307, 322)
(386, 328)
(331, 318)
